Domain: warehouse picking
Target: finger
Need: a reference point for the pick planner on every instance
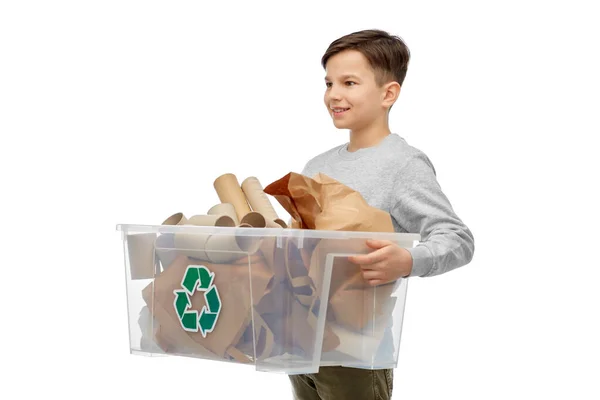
(378, 244)
(366, 259)
(375, 282)
(370, 274)
(376, 266)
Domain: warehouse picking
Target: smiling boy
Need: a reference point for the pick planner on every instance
(364, 74)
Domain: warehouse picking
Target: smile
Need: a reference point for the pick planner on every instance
(339, 111)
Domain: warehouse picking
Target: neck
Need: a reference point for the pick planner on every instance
(368, 136)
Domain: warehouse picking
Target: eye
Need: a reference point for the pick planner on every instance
(328, 84)
(350, 83)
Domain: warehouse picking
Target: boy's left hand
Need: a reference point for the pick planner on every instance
(387, 263)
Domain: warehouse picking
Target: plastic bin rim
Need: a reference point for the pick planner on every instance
(286, 232)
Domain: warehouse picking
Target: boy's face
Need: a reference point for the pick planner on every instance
(352, 97)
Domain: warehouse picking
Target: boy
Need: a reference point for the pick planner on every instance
(364, 74)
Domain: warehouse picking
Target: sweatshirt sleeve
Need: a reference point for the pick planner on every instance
(421, 207)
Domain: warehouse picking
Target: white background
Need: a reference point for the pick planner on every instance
(125, 112)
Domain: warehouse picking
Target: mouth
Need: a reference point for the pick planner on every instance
(338, 111)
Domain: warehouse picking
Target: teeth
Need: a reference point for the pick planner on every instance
(339, 109)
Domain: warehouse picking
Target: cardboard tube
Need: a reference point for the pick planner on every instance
(211, 220)
(191, 245)
(176, 219)
(229, 191)
(215, 248)
(275, 224)
(226, 248)
(251, 220)
(224, 209)
(140, 248)
(259, 201)
(254, 219)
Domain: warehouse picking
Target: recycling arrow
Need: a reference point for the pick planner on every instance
(197, 278)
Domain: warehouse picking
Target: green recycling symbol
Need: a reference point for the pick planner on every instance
(197, 278)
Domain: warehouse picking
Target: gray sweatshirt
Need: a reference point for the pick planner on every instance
(400, 179)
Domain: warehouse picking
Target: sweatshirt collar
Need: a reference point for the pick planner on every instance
(355, 155)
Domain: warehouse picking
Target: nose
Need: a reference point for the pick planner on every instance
(333, 93)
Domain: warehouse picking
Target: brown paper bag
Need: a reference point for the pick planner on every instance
(292, 324)
(278, 258)
(326, 204)
(232, 283)
(323, 203)
(353, 303)
(289, 307)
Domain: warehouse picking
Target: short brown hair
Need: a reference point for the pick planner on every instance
(388, 55)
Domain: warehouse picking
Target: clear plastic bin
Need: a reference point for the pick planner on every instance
(255, 296)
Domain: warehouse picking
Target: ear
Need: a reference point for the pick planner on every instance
(391, 91)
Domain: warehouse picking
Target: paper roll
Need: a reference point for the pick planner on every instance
(211, 220)
(140, 248)
(259, 201)
(254, 219)
(225, 209)
(229, 191)
(251, 243)
(176, 219)
(225, 248)
(215, 248)
(275, 224)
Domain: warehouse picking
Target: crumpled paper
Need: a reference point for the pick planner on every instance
(323, 203)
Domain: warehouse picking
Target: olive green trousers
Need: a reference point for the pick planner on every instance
(342, 383)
